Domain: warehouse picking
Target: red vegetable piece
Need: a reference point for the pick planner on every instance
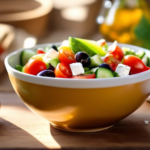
(135, 63)
(116, 51)
(34, 66)
(63, 71)
(40, 51)
(112, 61)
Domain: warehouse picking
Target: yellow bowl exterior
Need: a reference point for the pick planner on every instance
(81, 109)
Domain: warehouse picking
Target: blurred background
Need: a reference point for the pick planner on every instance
(25, 23)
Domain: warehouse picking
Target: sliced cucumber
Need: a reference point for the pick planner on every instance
(128, 51)
(148, 63)
(104, 73)
(145, 59)
(96, 61)
(115, 74)
(86, 69)
(94, 69)
(140, 54)
(91, 71)
(53, 62)
(87, 46)
(20, 68)
(25, 56)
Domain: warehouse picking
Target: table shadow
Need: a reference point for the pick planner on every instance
(130, 133)
(13, 137)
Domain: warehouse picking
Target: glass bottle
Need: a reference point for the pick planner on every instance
(127, 21)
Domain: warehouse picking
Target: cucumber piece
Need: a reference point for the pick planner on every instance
(19, 68)
(143, 56)
(23, 69)
(86, 69)
(140, 54)
(145, 59)
(51, 61)
(91, 71)
(115, 74)
(94, 69)
(128, 51)
(96, 61)
(25, 56)
(148, 63)
(87, 46)
(104, 73)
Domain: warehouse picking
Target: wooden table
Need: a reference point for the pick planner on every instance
(22, 129)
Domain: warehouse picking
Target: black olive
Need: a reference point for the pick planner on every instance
(104, 65)
(46, 73)
(50, 67)
(54, 47)
(83, 58)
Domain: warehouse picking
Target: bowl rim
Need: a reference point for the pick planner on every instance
(77, 83)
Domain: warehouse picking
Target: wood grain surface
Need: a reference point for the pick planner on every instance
(22, 129)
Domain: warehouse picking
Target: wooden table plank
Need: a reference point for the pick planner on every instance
(22, 129)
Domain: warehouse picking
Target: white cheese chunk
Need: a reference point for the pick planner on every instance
(113, 46)
(77, 69)
(123, 70)
(51, 54)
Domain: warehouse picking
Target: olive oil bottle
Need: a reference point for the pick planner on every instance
(127, 21)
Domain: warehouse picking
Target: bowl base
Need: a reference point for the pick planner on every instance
(80, 130)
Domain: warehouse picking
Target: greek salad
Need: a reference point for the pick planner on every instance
(79, 58)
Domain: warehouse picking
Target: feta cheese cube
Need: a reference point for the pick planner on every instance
(113, 46)
(123, 70)
(77, 69)
(51, 54)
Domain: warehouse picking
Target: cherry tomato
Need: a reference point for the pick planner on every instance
(40, 52)
(117, 53)
(63, 71)
(135, 63)
(87, 76)
(66, 55)
(34, 66)
(112, 61)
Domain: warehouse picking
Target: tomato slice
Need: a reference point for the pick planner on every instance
(116, 51)
(66, 55)
(34, 66)
(112, 61)
(87, 76)
(63, 71)
(40, 52)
